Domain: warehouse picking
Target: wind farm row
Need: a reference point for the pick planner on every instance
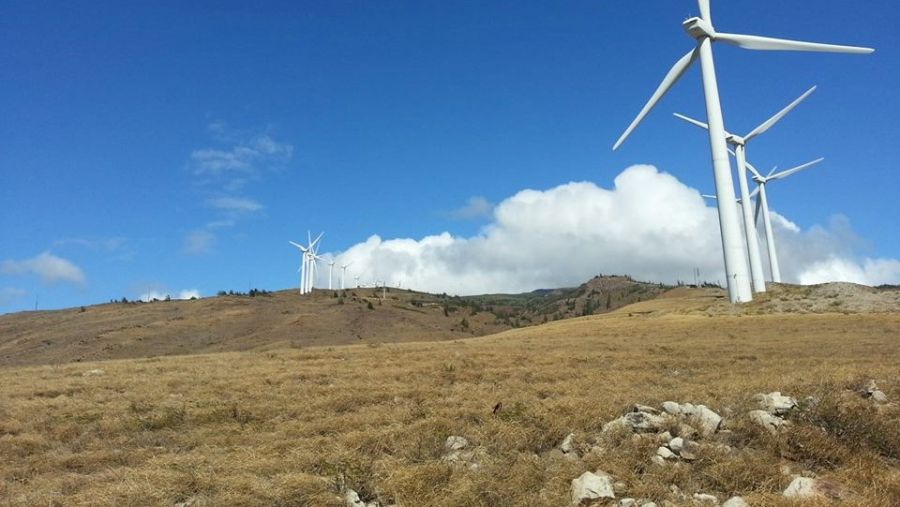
(742, 259)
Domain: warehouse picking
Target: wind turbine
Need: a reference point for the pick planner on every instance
(740, 143)
(305, 252)
(763, 204)
(313, 267)
(330, 271)
(344, 269)
(701, 29)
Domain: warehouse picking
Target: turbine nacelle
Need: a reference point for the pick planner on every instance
(698, 28)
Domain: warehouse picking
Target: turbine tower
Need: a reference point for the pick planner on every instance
(343, 270)
(701, 29)
(330, 272)
(763, 204)
(739, 143)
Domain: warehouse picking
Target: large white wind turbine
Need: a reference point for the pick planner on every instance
(313, 266)
(330, 272)
(306, 252)
(701, 29)
(739, 143)
(762, 203)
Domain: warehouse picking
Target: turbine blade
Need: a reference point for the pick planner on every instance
(296, 245)
(692, 121)
(773, 44)
(708, 196)
(671, 78)
(704, 10)
(317, 239)
(788, 172)
(755, 191)
(774, 168)
(753, 170)
(766, 125)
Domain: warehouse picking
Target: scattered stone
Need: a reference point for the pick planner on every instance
(772, 423)
(665, 453)
(619, 487)
(351, 499)
(671, 407)
(676, 444)
(735, 501)
(455, 443)
(591, 486)
(776, 404)
(93, 373)
(568, 444)
(187, 503)
(708, 420)
(801, 487)
(879, 397)
(688, 451)
(664, 437)
(704, 498)
(628, 502)
(639, 422)
(658, 460)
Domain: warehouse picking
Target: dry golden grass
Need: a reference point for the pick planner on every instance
(293, 427)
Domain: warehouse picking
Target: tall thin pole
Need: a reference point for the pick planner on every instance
(738, 279)
(756, 269)
(770, 238)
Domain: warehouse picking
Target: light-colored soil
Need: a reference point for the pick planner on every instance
(295, 426)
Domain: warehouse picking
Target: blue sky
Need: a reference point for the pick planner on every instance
(168, 147)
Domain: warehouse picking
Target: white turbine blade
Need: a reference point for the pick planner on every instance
(788, 172)
(753, 194)
(692, 121)
(671, 78)
(298, 246)
(774, 168)
(766, 125)
(752, 169)
(773, 44)
(704, 10)
(313, 243)
(708, 196)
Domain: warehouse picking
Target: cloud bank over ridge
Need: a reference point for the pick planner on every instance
(648, 225)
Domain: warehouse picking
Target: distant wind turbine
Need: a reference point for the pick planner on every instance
(343, 270)
(330, 272)
(739, 143)
(701, 29)
(305, 252)
(763, 204)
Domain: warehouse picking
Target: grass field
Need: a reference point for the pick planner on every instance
(297, 426)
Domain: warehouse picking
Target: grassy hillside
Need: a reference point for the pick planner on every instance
(301, 426)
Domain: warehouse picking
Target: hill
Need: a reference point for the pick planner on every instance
(286, 319)
(310, 426)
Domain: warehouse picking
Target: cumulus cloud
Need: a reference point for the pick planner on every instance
(475, 207)
(161, 295)
(50, 268)
(199, 242)
(235, 204)
(648, 225)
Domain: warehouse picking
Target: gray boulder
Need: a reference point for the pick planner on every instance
(590, 486)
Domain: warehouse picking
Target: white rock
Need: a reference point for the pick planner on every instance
(639, 422)
(773, 423)
(568, 444)
(591, 486)
(735, 501)
(455, 443)
(709, 420)
(664, 437)
(775, 403)
(879, 397)
(704, 498)
(676, 444)
(658, 460)
(801, 487)
(665, 453)
(94, 372)
(649, 504)
(671, 407)
(628, 502)
(351, 499)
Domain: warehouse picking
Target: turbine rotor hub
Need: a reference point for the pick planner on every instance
(698, 28)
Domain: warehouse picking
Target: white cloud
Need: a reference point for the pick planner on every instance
(199, 242)
(235, 204)
(475, 207)
(161, 295)
(10, 294)
(48, 267)
(243, 158)
(648, 225)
